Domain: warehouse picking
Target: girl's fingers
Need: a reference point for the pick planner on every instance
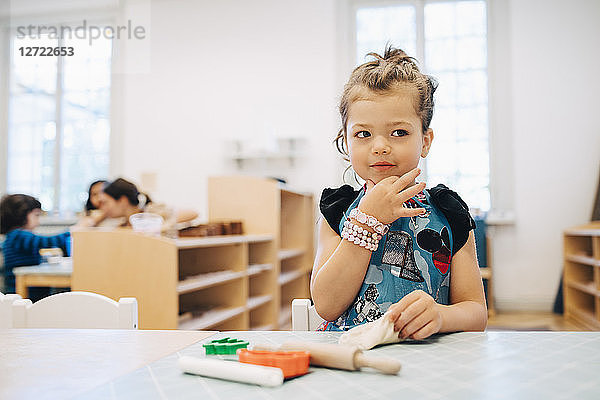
(409, 212)
(411, 312)
(406, 179)
(411, 191)
(388, 181)
(417, 323)
(396, 309)
(393, 313)
(425, 331)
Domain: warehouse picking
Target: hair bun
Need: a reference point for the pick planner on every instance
(393, 55)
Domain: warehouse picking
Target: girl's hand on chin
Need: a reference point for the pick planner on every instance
(384, 200)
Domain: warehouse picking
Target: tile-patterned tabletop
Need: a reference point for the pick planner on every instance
(489, 365)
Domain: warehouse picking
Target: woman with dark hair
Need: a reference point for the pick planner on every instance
(19, 215)
(94, 192)
(121, 198)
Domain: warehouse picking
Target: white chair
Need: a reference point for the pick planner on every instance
(82, 310)
(304, 315)
(6, 301)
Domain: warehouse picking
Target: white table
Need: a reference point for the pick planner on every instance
(61, 363)
(492, 365)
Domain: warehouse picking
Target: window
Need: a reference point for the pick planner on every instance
(58, 120)
(449, 38)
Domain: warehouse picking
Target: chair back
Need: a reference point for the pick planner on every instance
(6, 301)
(304, 315)
(80, 310)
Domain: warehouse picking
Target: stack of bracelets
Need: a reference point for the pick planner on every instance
(360, 236)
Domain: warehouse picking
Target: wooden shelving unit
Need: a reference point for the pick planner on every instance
(192, 283)
(266, 207)
(581, 281)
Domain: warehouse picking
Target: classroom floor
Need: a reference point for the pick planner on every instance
(532, 321)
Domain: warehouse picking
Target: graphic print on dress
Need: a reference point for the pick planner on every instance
(422, 197)
(411, 203)
(419, 258)
(443, 292)
(424, 268)
(398, 254)
(438, 244)
(365, 306)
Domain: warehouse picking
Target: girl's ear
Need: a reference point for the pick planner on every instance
(346, 142)
(427, 139)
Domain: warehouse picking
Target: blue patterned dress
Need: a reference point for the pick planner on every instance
(415, 254)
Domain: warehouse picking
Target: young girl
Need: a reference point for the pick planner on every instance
(93, 201)
(19, 215)
(394, 246)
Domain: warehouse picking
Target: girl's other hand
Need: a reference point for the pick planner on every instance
(415, 316)
(384, 200)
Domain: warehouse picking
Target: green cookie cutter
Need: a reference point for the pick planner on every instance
(225, 346)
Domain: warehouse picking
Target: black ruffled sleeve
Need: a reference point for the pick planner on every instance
(456, 212)
(334, 202)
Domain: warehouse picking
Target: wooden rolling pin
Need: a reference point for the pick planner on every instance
(338, 356)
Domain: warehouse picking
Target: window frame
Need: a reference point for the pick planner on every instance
(350, 37)
(8, 30)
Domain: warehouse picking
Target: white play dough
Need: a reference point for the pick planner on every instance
(232, 371)
(369, 335)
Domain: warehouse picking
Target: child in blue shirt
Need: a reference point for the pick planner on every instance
(394, 249)
(19, 215)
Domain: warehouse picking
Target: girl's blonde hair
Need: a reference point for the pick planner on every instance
(381, 75)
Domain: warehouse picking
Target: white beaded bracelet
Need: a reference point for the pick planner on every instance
(369, 220)
(360, 236)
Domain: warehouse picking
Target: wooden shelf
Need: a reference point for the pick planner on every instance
(255, 269)
(589, 287)
(221, 272)
(581, 276)
(278, 268)
(214, 241)
(122, 263)
(587, 318)
(592, 229)
(583, 259)
(211, 318)
(210, 279)
(286, 254)
(289, 276)
(257, 301)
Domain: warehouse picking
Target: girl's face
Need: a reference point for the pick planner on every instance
(95, 192)
(33, 219)
(112, 208)
(384, 134)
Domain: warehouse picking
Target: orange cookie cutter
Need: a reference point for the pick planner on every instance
(292, 363)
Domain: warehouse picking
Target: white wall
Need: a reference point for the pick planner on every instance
(546, 106)
(234, 69)
(228, 69)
